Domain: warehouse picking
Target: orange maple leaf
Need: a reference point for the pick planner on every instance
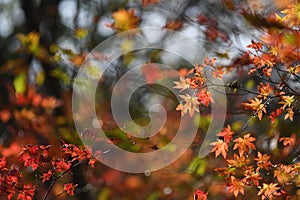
(227, 134)
(284, 173)
(268, 191)
(257, 106)
(263, 161)
(244, 144)
(236, 186)
(288, 141)
(238, 161)
(265, 90)
(174, 25)
(220, 147)
(289, 114)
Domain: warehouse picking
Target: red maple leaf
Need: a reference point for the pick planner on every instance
(227, 134)
(69, 188)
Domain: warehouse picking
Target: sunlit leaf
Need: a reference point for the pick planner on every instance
(20, 83)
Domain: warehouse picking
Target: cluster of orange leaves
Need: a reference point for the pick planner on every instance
(277, 52)
(248, 166)
(196, 93)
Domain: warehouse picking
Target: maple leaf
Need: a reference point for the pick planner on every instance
(253, 176)
(263, 161)
(146, 3)
(286, 101)
(220, 147)
(47, 176)
(255, 45)
(218, 72)
(264, 90)
(183, 84)
(244, 144)
(204, 97)
(275, 114)
(27, 193)
(236, 186)
(210, 62)
(292, 17)
(124, 20)
(268, 191)
(200, 195)
(61, 165)
(190, 105)
(227, 134)
(288, 141)
(174, 25)
(264, 62)
(28, 160)
(294, 70)
(267, 71)
(238, 161)
(284, 173)
(257, 106)
(92, 162)
(289, 114)
(69, 188)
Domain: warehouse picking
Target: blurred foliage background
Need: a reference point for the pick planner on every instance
(43, 44)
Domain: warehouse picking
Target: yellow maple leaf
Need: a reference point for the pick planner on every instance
(125, 20)
(292, 15)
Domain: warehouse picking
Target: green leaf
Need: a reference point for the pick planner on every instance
(236, 125)
(197, 166)
(81, 33)
(63, 76)
(289, 38)
(40, 78)
(250, 84)
(203, 121)
(153, 196)
(103, 195)
(20, 83)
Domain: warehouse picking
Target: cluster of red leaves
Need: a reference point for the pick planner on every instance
(46, 164)
(9, 182)
(212, 31)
